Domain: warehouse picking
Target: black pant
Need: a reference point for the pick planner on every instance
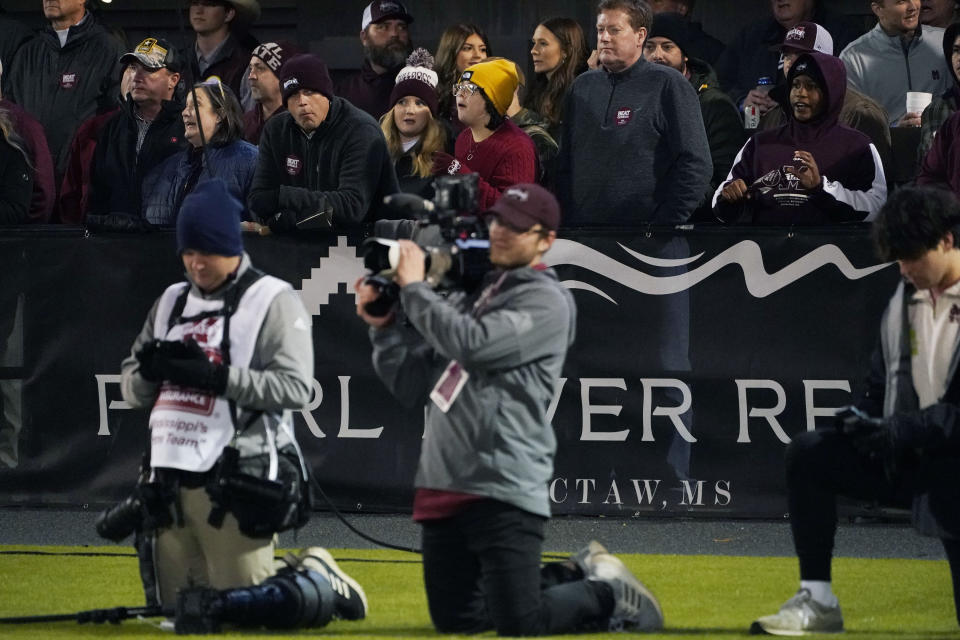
(822, 465)
(482, 570)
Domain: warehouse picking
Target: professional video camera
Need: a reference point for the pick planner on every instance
(449, 229)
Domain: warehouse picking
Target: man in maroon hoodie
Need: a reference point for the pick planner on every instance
(812, 170)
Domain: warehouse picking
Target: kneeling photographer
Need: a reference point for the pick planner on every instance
(222, 361)
(486, 365)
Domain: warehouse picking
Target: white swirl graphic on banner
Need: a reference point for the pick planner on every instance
(343, 266)
(746, 254)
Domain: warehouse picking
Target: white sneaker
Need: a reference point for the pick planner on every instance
(351, 601)
(799, 616)
(635, 607)
(584, 558)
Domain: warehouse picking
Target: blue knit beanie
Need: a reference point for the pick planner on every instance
(209, 220)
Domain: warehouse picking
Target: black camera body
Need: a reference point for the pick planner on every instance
(449, 230)
(147, 508)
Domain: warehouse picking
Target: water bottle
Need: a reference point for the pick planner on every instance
(751, 113)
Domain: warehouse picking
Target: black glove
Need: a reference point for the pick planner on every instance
(283, 222)
(187, 365)
(873, 438)
(146, 357)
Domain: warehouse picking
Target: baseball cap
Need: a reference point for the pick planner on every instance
(807, 37)
(382, 10)
(154, 53)
(524, 205)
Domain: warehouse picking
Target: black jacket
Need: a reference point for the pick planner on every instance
(62, 87)
(13, 34)
(343, 168)
(117, 170)
(748, 57)
(16, 184)
(929, 467)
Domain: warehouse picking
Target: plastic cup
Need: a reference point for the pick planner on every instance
(917, 101)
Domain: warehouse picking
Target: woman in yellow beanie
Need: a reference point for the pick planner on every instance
(490, 145)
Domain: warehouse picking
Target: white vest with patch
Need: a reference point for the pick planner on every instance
(189, 428)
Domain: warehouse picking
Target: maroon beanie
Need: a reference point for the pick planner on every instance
(305, 71)
(417, 79)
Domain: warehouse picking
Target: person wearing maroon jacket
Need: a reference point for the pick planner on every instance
(385, 35)
(34, 140)
(941, 165)
(71, 207)
(491, 145)
(812, 170)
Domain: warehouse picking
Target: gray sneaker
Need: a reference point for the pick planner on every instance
(584, 558)
(350, 601)
(799, 616)
(635, 608)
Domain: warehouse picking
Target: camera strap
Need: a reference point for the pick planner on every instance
(487, 294)
(230, 302)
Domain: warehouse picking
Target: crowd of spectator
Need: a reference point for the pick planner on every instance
(649, 120)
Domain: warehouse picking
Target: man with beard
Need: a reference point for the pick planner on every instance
(386, 45)
(265, 63)
(668, 44)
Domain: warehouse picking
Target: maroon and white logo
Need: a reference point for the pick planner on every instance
(624, 116)
(294, 165)
(796, 34)
(184, 399)
(69, 80)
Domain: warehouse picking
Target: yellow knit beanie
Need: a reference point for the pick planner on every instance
(497, 78)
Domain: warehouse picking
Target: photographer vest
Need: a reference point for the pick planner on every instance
(189, 428)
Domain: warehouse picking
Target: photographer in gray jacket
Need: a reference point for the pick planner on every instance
(222, 361)
(486, 367)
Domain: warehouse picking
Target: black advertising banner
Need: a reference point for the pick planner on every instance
(699, 354)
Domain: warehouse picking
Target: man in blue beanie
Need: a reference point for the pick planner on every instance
(223, 360)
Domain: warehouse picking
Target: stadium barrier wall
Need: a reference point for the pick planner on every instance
(699, 353)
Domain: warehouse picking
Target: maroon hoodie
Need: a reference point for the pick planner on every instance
(853, 186)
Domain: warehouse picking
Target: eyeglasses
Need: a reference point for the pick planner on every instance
(469, 87)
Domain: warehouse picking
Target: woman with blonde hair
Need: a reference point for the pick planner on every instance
(16, 177)
(461, 45)
(411, 126)
(559, 52)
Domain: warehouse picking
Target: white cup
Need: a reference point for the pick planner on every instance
(917, 101)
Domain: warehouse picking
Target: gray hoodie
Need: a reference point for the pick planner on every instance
(495, 439)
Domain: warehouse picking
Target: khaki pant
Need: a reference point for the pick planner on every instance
(202, 555)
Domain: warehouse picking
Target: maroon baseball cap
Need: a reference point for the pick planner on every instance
(383, 10)
(807, 37)
(524, 205)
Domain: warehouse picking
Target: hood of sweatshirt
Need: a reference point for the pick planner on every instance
(831, 76)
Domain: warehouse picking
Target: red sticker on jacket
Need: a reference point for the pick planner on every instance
(624, 116)
(294, 165)
(69, 80)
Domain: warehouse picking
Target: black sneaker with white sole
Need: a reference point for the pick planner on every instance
(351, 601)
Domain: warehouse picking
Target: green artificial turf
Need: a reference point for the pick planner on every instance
(702, 596)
